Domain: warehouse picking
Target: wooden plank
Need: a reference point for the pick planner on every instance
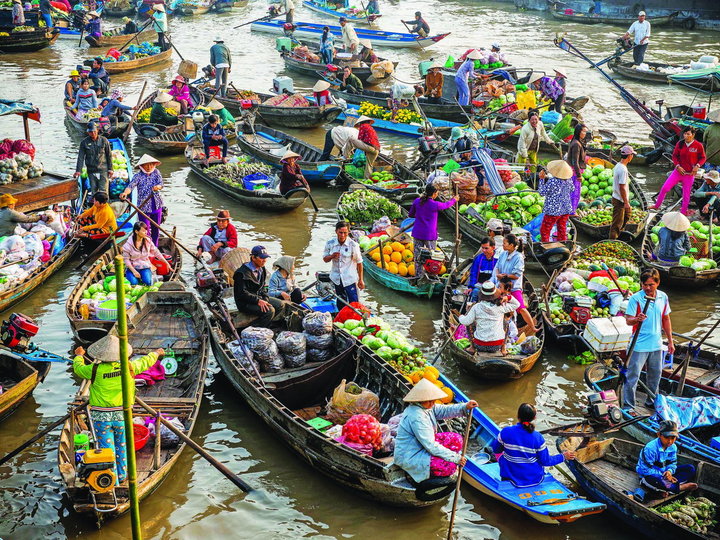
(42, 192)
(593, 451)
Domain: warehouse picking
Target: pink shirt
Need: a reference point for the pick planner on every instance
(139, 259)
(183, 93)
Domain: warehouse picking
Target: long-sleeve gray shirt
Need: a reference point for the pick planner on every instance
(10, 218)
(95, 155)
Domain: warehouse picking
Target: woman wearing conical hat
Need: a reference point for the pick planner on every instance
(148, 181)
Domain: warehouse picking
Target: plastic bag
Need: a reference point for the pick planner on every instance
(317, 323)
(295, 360)
(381, 224)
(349, 399)
(387, 443)
(248, 362)
(364, 448)
(291, 343)
(319, 355)
(257, 339)
(393, 423)
(530, 345)
(269, 359)
(323, 342)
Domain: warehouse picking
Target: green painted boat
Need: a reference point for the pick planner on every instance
(398, 282)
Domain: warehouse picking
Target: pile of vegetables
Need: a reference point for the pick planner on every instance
(92, 114)
(404, 116)
(603, 217)
(365, 206)
(363, 429)
(695, 513)
(145, 49)
(234, 173)
(520, 208)
(588, 357)
(4, 34)
(19, 168)
(23, 29)
(596, 189)
(106, 289)
(396, 257)
(699, 234)
(120, 178)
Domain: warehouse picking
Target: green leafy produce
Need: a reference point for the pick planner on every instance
(233, 173)
(366, 206)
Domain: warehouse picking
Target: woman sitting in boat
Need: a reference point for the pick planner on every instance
(524, 452)
(400, 96)
(148, 181)
(321, 93)
(158, 114)
(226, 119)
(106, 401)
(85, 100)
(130, 27)
(72, 85)
(94, 25)
(282, 283)
(137, 252)
(416, 448)
(350, 82)
(434, 81)
(18, 14)
(291, 177)
(9, 217)
(99, 218)
(114, 107)
(180, 92)
(511, 264)
(327, 46)
(367, 54)
(213, 135)
(487, 315)
(673, 240)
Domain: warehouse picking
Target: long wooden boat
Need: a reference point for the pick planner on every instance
(115, 37)
(493, 366)
(193, 7)
(409, 183)
(18, 379)
(606, 472)
(81, 125)
(414, 130)
(261, 199)
(378, 38)
(90, 330)
(632, 229)
(445, 110)
(399, 283)
(30, 41)
(119, 8)
(323, 8)
(676, 275)
(269, 145)
(152, 324)
(130, 65)
(652, 75)
(549, 502)
(567, 332)
(287, 400)
(583, 18)
(311, 69)
(283, 117)
(703, 371)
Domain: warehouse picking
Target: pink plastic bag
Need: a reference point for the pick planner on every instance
(451, 441)
(364, 448)
(461, 332)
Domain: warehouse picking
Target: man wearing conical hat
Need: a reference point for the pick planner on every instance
(106, 403)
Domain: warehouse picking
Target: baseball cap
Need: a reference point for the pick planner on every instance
(627, 150)
(259, 251)
(668, 428)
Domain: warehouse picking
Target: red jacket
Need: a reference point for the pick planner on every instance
(688, 156)
(231, 233)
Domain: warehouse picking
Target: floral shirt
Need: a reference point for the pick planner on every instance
(557, 196)
(144, 183)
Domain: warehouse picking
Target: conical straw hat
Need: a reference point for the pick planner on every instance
(424, 390)
(560, 169)
(145, 159)
(675, 221)
(107, 349)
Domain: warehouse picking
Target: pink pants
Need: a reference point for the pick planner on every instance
(687, 185)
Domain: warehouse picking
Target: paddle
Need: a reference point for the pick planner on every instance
(264, 18)
(459, 473)
(422, 45)
(143, 27)
(135, 112)
(82, 32)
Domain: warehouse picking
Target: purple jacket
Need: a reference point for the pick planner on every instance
(426, 217)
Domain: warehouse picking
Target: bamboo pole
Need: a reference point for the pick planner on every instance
(459, 473)
(128, 389)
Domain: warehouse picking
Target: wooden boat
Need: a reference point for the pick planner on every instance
(261, 199)
(152, 323)
(269, 145)
(399, 283)
(30, 41)
(119, 8)
(703, 371)
(114, 131)
(675, 274)
(378, 38)
(583, 18)
(283, 117)
(365, 226)
(193, 7)
(311, 69)
(130, 65)
(632, 229)
(446, 110)
(605, 471)
(409, 184)
(18, 380)
(90, 330)
(414, 130)
(323, 8)
(652, 75)
(117, 37)
(567, 333)
(223, 6)
(287, 400)
(549, 502)
(493, 366)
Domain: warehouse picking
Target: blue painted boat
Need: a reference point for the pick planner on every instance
(409, 130)
(119, 145)
(381, 38)
(548, 502)
(67, 32)
(321, 7)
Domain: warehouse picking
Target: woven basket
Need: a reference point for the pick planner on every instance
(234, 260)
(106, 313)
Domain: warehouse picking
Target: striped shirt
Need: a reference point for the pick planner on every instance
(523, 456)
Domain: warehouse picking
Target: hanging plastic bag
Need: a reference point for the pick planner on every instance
(349, 399)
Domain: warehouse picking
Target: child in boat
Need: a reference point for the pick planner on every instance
(657, 465)
(282, 283)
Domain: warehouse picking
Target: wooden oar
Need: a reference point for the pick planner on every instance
(459, 473)
(135, 112)
(417, 38)
(265, 18)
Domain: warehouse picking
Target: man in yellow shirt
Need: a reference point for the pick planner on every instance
(99, 218)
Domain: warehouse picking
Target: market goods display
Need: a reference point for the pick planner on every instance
(18, 168)
(396, 257)
(403, 116)
(603, 217)
(381, 177)
(96, 294)
(695, 513)
(133, 52)
(292, 346)
(702, 254)
(349, 399)
(121, 178)
(365, 206)
(363, 429)
(235, 174)
(519, 205)
(144, 116)
(265, 351)
(318, 328)
(595, 206)
(20, 256)
(23, 29)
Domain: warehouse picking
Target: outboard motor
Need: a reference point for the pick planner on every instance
(15, 333)
(603, 409)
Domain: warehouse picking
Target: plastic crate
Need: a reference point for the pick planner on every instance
(320, 304)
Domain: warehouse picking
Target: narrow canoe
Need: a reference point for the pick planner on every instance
(677, 275)
(269, 145)
(81, 125)
(629, 71)
(118, 38)
(18, 379)
(193, 7)
(319, 8)
(152, 323)
(410, 183)
(130, 65)
(261, 199)
(447, 110)
(562, 505)
(583, 18)
(606, 471)
(311, 69)
(90, 330)
(377, 37)
(493, 366)
(31, 41)
(287, 400)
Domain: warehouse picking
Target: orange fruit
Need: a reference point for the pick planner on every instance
(397, 246)
(433, 370)
(430, 376)
(386, 257)
(450, 395)
(387, 249)
(402, 269)
(375, 256)
(396, 257)
(409, 380)
(411, 269)
(415, 376)
(410, 247)
(407, 256)
(438, 384)
(379, 264)
(392, 268)
(373, 251)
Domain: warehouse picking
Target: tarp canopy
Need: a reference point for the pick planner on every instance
(8, 106)
(688, 413)
(691, 78)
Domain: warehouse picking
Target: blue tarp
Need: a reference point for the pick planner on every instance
(8, 106)
(688, 412)
(492, 175)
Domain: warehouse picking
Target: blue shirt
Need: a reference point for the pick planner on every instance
(650, 338)
(208, 131)
(557, 196)
(466, 70)
(480, 264)
(511, 264)
(671, 246)
(112, 106)
(523, 456)
(654, 460)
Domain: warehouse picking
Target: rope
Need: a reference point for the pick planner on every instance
(181, 314)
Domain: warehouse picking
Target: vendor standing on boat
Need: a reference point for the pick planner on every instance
(291, 176)
(524, 452)
(530, 136)
(251, 292)
(346, 271)
(434, 81)
(327, 46)
(561, 82)
(45, 12)
(464, 74)
(419, 26)
(557, 188)
(416, 449)
(649, 326)
(577, 159)
(106, 400)
(426, 209)
(349, 36)
(219, 239)
(18, 13)
(640, 30)
(288, 7)
(160, 24)
(148, 182)
(95, 154)
(708, 195)
(511, 264)
(9, 217)
(221, 60)
(345, 138)
(621, 192)
(94, 25)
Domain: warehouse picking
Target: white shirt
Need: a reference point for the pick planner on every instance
(344, 269)
(287, 4)
(488, 319)
(620, 177)
(402, 91)
(349, 36)
(640, 31)
(343, 137)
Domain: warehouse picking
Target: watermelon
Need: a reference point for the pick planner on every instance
(597, 169)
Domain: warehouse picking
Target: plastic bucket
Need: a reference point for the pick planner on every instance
(142, 434)
(699, 112)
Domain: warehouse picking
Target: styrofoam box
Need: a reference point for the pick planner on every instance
(606, 335)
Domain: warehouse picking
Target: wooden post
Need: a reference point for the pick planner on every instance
(26, 126)
(157, 440)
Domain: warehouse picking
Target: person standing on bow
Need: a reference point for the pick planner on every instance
(327, 46)
(557, 188)
(688, 156)
(148, 182)
(640, 30)
(221, 60)
(368, 136)
(346, 271)
(160, 24)
(530, 136)
(288, 6)
(419, 26)
(577, 159)
(349, 36)
(425, 209)
(463, 75)
(95, 154)
(621, 192)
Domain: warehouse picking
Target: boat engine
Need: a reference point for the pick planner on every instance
(431, 261)
(578, 307)
(210, 283)
(96, 470)
(15, 333)
(603, 409)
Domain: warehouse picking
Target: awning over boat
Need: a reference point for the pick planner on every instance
(22, 108)
(690, 78)
(689, 412)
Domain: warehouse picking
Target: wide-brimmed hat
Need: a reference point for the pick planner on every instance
(215, 105)
(223, 214)
(456, 132)
(676, 221)
(219, 39)
(627, 150)
(321, 86)
(290, 154)
(424, 390)
(364, 119)
(178, 78)
(437, 64)
(535, 77)
(286, 262)
(366, 43)
(147, 158)
(713, 176)
(74, 73)
(488, 290)
(162, 97)
(714, 116)
(159, 7)
(93, 14)
(117, 94)
(668, 428)
(107, 349)
(560, 72)
(474, 55)
(560, 169)
(6, 200)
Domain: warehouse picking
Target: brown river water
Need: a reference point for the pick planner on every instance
(292, 500)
